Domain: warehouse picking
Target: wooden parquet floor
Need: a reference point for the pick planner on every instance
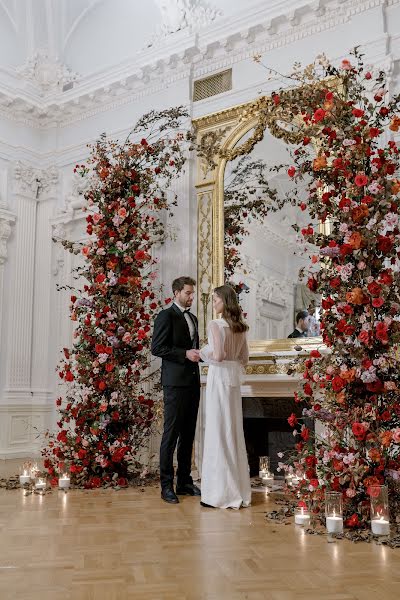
(105, 545)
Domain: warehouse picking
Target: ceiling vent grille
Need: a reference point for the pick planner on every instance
(211, 86)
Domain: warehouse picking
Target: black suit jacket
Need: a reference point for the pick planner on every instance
(171, 339)
(296, 334)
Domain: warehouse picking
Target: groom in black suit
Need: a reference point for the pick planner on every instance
(176, 342)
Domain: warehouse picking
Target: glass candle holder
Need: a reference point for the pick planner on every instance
(40, 483)
(64, 481)
(24, 476)
(380, 524)
(302, 516)
(334, 512)
(264, 467)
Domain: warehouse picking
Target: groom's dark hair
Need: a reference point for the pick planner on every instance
(179, 283)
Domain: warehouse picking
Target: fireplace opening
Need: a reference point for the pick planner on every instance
(267, 431)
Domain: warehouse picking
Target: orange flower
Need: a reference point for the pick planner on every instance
(374, 454)
(355, 240)
(319, 163)
(386, 438)
(395, 124)
(340, 397)
(356, 296)
(359, 213)
(348, 375)
(395, 186)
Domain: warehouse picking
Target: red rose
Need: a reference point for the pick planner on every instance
(335, 282)
(357, 112)
(73, 299)
(374, 288)
(338, 384)
(291, 171)
(361, 179)
(377, 302)
(368, 75)
(95, 482)
(115, 416)
(319, 115)
(82, 453)
(359, 431)
(353, 521)
(385, 244)
(314, 483)
(386, 277)
(69, 376)
(292, 420)
(102, 386)
(100, 278)
(305, 434)
(315, 354)
(122, 482)
(307, 389)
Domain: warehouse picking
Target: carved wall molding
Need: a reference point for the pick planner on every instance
(34, 183)
(45, 71)
(7, 219)
(178, 15)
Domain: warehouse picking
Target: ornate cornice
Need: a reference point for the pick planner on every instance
(34, 183)
(48, 73)
(257, 31)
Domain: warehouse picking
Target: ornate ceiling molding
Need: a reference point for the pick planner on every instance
(48, 73)
(213, 48)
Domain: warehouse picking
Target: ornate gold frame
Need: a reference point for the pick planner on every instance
(225, 128)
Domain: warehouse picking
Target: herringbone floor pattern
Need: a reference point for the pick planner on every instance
(106, 545)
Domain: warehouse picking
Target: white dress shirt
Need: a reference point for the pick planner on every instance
(189, 321)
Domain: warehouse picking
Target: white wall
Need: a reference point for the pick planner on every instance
(53, 130)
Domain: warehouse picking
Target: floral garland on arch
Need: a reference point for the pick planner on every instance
(353, 389)
(110, 404)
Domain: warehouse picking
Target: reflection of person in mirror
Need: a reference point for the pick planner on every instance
(300, 330)
(313, 325)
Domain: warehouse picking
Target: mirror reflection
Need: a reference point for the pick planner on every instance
(264, 256)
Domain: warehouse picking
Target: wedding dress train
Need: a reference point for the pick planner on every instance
(225, 480)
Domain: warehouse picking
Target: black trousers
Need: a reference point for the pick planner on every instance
(181, 405)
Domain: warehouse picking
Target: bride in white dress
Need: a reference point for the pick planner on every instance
(225, 479)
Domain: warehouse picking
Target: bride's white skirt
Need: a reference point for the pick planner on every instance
(225, 480)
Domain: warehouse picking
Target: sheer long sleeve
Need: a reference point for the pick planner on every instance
(214, 350)
(244, 352)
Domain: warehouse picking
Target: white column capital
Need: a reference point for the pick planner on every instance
(36, 184)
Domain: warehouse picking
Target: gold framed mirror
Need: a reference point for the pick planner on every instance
(237, 133)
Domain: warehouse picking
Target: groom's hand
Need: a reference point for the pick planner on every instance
(193, 355)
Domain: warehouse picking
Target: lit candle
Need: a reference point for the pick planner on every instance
(334, 524)
(302, 517)
(63, 482)
(380, 526)
(24, 478)
(40, 485)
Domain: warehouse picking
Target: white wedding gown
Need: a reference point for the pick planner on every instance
(225, 479)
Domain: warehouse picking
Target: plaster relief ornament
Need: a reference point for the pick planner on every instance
(46, 71)
(178, 15)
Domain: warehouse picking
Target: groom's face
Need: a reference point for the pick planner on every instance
(185, 296)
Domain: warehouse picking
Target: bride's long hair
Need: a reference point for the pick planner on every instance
(232, 313)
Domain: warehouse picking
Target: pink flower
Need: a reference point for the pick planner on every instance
(97, 217)
(346, 64)
(122, 212)
(85, 250)
(396, 435)
(350, 493)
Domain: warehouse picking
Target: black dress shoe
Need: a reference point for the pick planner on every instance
(168, 495)
(188, 489)
(207, 505)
